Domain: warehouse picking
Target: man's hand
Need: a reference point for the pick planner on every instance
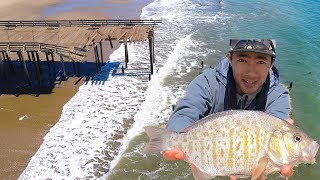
(173, 154)
(286, 170)
(290, 121)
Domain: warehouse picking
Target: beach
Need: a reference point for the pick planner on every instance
(26, 119)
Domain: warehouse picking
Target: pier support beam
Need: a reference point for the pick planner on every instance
(78, 65)
(11, 66)
(74, 68)
(110, 41)
(151, 50)
(153, 58)
(21, 58)
(8, 60)
(4, 57)
(53, 66)
(36, 64)
(38, 61)
(97, 59)
(2, 69)
(101, 54)
(126, 60)
(48, 63)
(64, 75)
(29, 58)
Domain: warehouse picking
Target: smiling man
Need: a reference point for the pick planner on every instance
(246, 79)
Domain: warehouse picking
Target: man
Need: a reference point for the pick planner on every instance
(245, 79)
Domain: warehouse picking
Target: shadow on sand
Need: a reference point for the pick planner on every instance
(14, 81)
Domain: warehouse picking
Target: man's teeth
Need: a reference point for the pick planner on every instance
(249, 82)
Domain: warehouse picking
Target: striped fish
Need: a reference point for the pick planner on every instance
(233, 143)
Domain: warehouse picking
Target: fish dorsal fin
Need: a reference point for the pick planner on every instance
(212, 117)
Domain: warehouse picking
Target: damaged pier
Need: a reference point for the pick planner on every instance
(30, 43)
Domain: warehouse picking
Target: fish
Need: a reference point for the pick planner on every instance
(233, 143)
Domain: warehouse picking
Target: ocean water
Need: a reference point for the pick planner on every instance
(100, 132)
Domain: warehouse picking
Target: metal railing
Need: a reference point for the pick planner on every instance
(73, 52)
(77, 23)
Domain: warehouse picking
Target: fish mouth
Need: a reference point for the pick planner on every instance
(309, 153)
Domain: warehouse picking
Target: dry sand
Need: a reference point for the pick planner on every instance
(78, 14)
(26, 119)
(24, 9)
(33, 10)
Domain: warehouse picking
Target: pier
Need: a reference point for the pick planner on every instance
(31, 43)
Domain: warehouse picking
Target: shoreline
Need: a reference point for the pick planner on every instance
(28, 119)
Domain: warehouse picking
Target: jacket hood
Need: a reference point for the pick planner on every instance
(223, 67)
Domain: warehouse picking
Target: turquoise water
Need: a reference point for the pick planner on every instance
(199, 30)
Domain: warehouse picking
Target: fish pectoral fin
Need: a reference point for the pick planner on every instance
(198, 174)
(257, 172)
(173, 154)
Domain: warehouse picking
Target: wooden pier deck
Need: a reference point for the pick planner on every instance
(70, 38)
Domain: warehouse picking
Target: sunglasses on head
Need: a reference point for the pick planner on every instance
(255, 44)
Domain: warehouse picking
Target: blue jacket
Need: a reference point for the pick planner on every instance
(206, 95)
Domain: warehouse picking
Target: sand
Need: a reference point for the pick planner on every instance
(26, 119)
(24, 9)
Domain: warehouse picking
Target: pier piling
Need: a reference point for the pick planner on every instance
(21, 58)
(97, 59)
(48, 63)
(126, 54)
(110, 41)
(36, 65)
(101, 54)
(64, 75)
(2, 69)
(53, 66)
(38, 61)
(151, 50)
(78, 69)
(74, 68)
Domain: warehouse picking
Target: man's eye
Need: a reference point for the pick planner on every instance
(241, 60)
(261, 62)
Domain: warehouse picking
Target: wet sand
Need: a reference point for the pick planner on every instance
(26, 119)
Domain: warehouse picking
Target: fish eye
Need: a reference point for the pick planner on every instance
(297, 138)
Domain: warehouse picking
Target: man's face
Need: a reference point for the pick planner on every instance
(250, 70)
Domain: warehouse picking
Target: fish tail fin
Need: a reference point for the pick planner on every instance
(157, 139)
